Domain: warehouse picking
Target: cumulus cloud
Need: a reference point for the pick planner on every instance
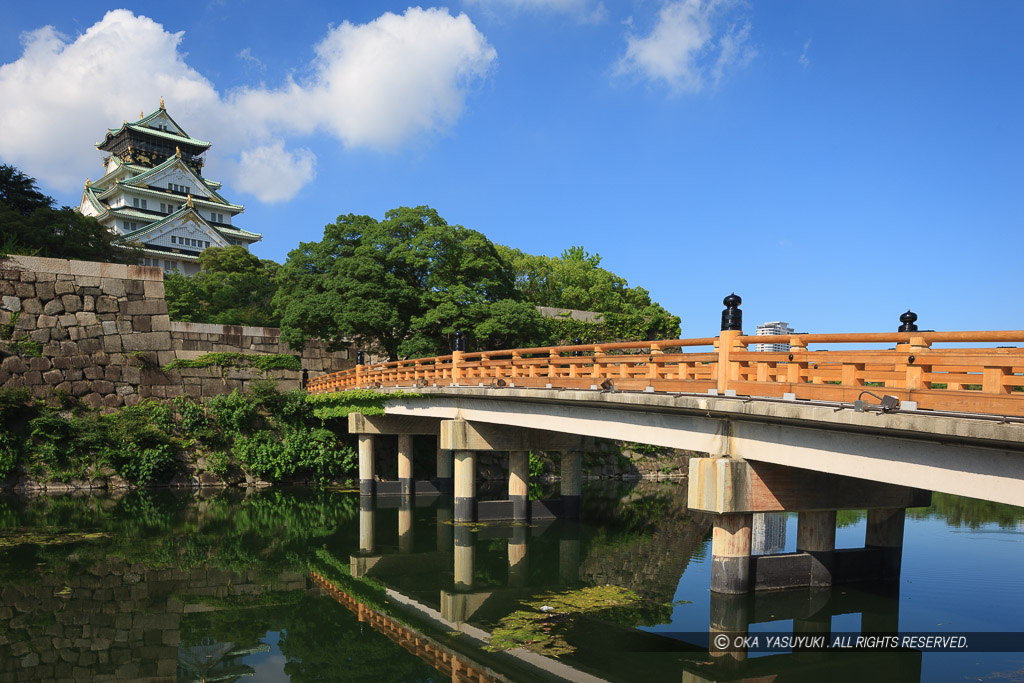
(377, 85)
(690, 44)
(272, 173)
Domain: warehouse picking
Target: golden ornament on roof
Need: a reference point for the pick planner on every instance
(189, 202)
(162, 102)
(177, 151)
(141, 113)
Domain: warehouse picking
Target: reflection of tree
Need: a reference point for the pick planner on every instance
(325, 642)
(213, 660)
(960, 511)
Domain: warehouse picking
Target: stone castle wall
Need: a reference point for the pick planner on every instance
(105, 334)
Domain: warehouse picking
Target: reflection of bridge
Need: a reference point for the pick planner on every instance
(787, 430)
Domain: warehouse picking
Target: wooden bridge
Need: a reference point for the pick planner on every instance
(807, 431)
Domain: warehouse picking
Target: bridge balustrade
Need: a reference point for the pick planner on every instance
(965, 378)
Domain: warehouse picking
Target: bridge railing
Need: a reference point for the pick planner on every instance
(963, 379)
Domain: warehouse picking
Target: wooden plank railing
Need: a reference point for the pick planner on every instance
(963, 379)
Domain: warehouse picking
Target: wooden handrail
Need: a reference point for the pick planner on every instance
(971, 379)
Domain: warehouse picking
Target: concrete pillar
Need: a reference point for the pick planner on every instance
(517, 566)
(463, 558)
(569, 553)
(465, 486)
(519, 484)
(366, 524)
(730, 554)
(885, 532)
(816, 536)
(366, 483)
(405, 463)
(444, 471)
(571, 484)
(405, 525)
(768, 533)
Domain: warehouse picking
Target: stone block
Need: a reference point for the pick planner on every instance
(142, 323)
(61, 362)
(86, 318)
(74, 374)
(44, 290)
(11, 303)
(76, 333)
(165, 357)
(51, 349)
(153, 289)
(106, 304)
(80, 388)
(90, 345)
(112, 373)
(161, 323)
(112, 344)
(88, 280)
(14, 364)
(53, 307)
(147, 341)
(58, 333)
(46, 321)
(93, 400)
(33, 378)
(32, 306)
(41, 364)
(62, 287)
(67, 320)
(28, 276)
(100, 357)
(6, 288)
(134, 286)
(144, 307)
(25, 290)
(69, 348)
(93, 372)
(102, 386)
(124, 326)
(94, 331)
(72, 303)
(26, 321)
(109, 327)
(88, 302)
(112, 401)
(80, 360)
(53, 377)
(40, 335)
(131, 374)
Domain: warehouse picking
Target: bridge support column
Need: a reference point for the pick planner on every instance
(518, 484)
(366, 483)
(405, 464)
(571, 484)
(465, 486)
(569, 553)
(816, 536)
(444, 527)
(730, 554)
(444, 471)
(517, 566)
(885, 532)
(366, 525)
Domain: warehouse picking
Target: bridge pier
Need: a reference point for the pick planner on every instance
(570, 484)
(405, 464)
(734, 490)
(519, 484)
(465, 486)
(367, 484)
(444, 471)
(405, 428)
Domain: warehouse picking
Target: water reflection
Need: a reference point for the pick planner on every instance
(222, 585)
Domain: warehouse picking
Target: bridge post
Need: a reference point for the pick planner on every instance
(366, 482)
(730, 554)
(570, 485)
(405, 464)
(816, 535)
(885, 532)
(518, 484)
(465, 486)
(732, 327)
(444, 470)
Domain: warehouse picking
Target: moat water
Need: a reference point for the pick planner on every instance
(304, 585)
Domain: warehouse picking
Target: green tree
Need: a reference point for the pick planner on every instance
(233, 287)
(31, 225)
(403, 284)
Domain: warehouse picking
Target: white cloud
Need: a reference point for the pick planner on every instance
(687, 45)
(588, 11)
(273, 174)
(378, 85)
(804, 60)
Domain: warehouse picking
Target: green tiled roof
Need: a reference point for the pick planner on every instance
(141, 127)
(167, 163)
(224, 232)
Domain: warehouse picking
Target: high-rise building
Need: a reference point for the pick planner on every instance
(772, 328)
(153, 192)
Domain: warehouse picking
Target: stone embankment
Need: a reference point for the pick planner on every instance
(100, 332)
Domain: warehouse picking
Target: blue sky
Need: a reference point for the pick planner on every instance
(834, 163)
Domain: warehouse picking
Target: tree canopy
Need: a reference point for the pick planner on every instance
(233, 287)
(31, 225)
(405, 283)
